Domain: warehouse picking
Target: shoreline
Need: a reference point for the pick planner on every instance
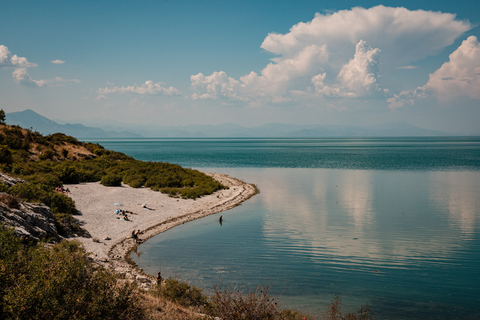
(110, 244)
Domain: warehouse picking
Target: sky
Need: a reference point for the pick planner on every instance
(245, 62)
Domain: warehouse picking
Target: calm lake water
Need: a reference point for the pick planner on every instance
(394, 222)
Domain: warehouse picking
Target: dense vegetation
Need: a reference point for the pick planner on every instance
(59, 282)
(48, 162)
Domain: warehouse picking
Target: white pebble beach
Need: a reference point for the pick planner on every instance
(110, 234)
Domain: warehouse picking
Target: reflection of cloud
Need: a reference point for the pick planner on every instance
(346, 217)
(356, 197)
(460, 196)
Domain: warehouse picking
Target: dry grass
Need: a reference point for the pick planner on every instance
(159, 308)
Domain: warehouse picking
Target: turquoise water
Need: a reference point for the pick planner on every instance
(394, 223)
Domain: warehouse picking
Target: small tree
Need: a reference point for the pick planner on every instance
(2, 116)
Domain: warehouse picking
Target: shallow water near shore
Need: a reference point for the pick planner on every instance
(404, 239)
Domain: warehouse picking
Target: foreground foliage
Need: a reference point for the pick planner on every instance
(58, 282)
(240, 303)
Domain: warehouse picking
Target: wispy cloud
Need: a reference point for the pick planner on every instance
(148, 88)
(58, 61)
(63, 82)
(407, 67)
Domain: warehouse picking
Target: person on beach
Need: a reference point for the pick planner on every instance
(159, 278)
(135, 236)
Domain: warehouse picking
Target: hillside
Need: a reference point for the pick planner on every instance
(45, 163)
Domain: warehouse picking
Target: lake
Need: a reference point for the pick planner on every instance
(392, 222)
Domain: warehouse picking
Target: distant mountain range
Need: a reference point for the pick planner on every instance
(31, 119)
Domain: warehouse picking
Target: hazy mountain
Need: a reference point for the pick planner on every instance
(275, 130)
(30, 119)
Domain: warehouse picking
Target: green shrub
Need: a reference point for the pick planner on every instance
(183, 293)
(60, 203)
(59, 137)
(47, 154)
(69, 175)
(5, 155)
(60, 283)
(111, 180)
(48, 181)
(28, 192)
(134, 181)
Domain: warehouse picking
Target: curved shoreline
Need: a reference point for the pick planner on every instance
(93, 199)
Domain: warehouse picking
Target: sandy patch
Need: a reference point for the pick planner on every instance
(97, 205)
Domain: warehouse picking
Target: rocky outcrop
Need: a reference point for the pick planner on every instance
(32, 220)
(9, 181)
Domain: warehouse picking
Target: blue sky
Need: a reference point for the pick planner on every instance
(246, 62)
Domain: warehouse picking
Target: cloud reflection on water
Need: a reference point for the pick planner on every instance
(359, 217)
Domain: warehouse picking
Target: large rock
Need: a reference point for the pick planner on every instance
(9, 180)
(34, 220)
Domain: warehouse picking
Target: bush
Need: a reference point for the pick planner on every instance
(5, 155)
(47, 154)
(231, 303)
(134, 181)
(47, 180)
(183, 293)
(28, 192)
(334, 312)
(60, 283)
(111, 180)
(69, 175)
(10, 201)
(60, 203)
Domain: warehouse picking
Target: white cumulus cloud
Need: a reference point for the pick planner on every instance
(58, 61)
(402, 35)
(20, 74)
(339, 54)
(214, 86)
(459, 77)
(148, 88)
(9, 60)
(357, 78)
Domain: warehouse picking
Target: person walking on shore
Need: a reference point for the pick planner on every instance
(159, 278)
